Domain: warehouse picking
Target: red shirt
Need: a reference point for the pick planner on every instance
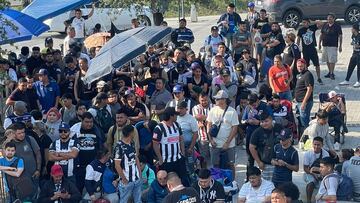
(278, 77)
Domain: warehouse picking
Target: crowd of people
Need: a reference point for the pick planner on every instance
(158, 131)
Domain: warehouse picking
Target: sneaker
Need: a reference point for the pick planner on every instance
(345, 82)
(337, 146)
(327, 75)
(332, 76)
(357, 84)
(320, 81)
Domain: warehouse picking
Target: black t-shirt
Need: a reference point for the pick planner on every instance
(211, 194)
(278, 49)
(136, 110)
(355, 41)
(304, 79)
(186, 195)
(18, 95)
(258, 24)
(308, 39)
(265, 140)
(331, 35)
(88, 143)
(32, 63)
(291, 53)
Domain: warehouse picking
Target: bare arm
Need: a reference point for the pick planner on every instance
(309, 90)
(92, 10)
(76, 86)
(254, 153)
(16, 173)
(156, 146)
(119, 170)
(9, 101)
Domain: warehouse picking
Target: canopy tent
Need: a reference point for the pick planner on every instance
(45, 9)
(19, 26)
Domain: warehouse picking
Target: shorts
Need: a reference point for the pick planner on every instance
(311, 179)
(329, 54)
(311, 55)
(215, 155)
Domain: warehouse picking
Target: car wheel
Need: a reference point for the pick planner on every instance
(144, 20)
(292, 19)
(352, 15)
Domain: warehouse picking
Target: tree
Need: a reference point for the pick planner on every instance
(5, 23)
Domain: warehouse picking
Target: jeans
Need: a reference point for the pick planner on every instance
(229, 41)
(304, 114)
(354, 61)
(285, 95)
(132, 188)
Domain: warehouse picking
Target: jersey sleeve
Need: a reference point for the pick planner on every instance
(20, 164)
(118, 154)
(157, 134)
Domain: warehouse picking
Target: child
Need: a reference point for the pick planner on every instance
(68, 111)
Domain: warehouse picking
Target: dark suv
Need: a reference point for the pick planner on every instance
(291, 12)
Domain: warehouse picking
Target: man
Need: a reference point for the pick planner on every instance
(241, 40)
(116, 131)
(308, 43)
(88, 140)
(312, 166)
(214, 39)
(251, 17)
(278, 196)
(10, 165)
(31, 93)
(158, 188)
(102, 112)
(128, 166)
(291, 191)
(227, 59)
(354, 60)
(78, 22)
(189, 129)
(63, 152)
(47, 90)
(228, 22)
(80, 109)
(286, 159)
(94, 175)
(54, 71)
(19, 114)
(68, 109)
(261, 26)
(262, 143)
(280, 76)
(275, 43)
(58, 188)
(329, 183)
(28, 149)
(200, 112)
(34, 61)
(21, 93)
(304, 90)
(227, 121)
(331, 40)
(179, 96)
(354, 173)
(223, 83)
(168, 144)
(257, 189)
(69, 40)
(249, 70)
(134, 109)
(210, 190)
(182, 35)
(145, 130)
(178, 192)
(159, 99)
(280, 112)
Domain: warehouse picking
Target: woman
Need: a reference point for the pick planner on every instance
(53, 121)
(198, 83)
(83, 92)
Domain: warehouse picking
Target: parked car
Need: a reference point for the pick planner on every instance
(120, 17)
(291, 12)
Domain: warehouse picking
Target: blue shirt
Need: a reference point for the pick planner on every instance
(145, 136)
(47, 94)
(290, 155)
(5, 162)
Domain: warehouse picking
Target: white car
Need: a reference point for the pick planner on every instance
(120, 17)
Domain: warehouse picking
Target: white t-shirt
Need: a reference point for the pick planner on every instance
(354, 172)
(310, 156)
(256, 195)
(330, 189)
(230, 119)
(67, 42)
(188, 126)
(79, 26)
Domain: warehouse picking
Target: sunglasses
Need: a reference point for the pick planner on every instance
(63, 131)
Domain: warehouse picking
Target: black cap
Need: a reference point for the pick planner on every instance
(245, 51)
(285, 134)
(182, 104)
(48, 40)
(170, 111)
(214, 28)
(224, 71)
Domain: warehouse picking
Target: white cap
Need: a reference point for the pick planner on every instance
(221, 94)
(332, 94)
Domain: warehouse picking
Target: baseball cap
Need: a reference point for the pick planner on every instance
(43, 72)
(64, 126)
(56, 170)
(221, 95)
(224, 72)
(285, 134)
(214, 28)
(100, 84)
(332, 94)
(170, 111)
(182, 105)
(178, 89)
(129, 92)
(245, 51)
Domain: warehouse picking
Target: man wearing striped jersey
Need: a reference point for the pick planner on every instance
(128, 167)
(169, 146)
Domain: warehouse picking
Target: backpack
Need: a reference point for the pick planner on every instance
(209, 38)
(20, 187)
(316, 163)
(344, 191)
(103, 118)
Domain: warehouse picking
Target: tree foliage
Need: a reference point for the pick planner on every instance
(5, 23)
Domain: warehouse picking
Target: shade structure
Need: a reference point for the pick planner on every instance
(124, 47)
(97, 39)
(19, 26)
(46, 9)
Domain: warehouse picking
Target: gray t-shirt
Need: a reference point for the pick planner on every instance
(354, 172)
(68, 114)
(241, 37)
(24, 151)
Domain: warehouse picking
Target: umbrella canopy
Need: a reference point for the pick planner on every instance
(45, 9)
(124, 47)
(97, 39)
(19, 26)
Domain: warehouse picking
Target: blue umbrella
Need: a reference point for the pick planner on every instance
(124, 47)
(19, 26)
(45, 9)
